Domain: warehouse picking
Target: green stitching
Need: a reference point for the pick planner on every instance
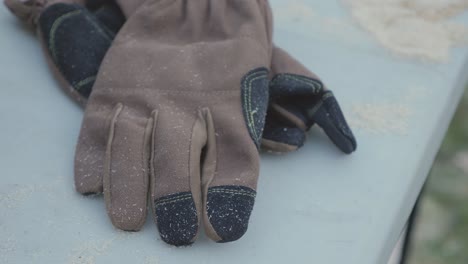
(103, 33)
(312, 111)
(312, 84)
(174, 197)
(172, 200)
(229, 190)
(315, 85)
(57, 23)
(243, 194)
(54, 28)
(248, 100)
(226, 191)
(84, 82)
(327, 95)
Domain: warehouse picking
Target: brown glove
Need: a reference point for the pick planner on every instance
(75, 38)
(298, 100)
(283, 131)
(178, 110)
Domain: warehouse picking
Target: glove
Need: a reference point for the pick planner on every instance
(298, 99)
(75, 38)
(178, 110)
(279, 95)
(287, 121)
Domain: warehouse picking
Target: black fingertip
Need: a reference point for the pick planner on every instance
(177, 219)
(285, 135)
(331, 119)
(229, 209)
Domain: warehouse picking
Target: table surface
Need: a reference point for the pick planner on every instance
(316, 205)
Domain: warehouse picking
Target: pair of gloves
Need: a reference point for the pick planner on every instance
(180, 96)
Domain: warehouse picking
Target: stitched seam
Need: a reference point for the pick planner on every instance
(84, 82)
(233, 192)
(294, 77)
(315, 85)
(190, 156)
(172, 201)
(248, 100)
(188, 195)
(230, 190)
(115, 115)
(327, 95)
(315, 108)
(96, 26)
(310, 83)
(54, 28)
(106, 29)
(154, 115)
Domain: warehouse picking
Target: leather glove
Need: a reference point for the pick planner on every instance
(75, 39)
(282, 66)
(177, 113)
(288, 117)
(298, 100)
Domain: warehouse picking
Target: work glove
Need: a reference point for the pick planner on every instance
(298, 100)
(177, 112)
(75, 38)
(289, 116)
(289, 83)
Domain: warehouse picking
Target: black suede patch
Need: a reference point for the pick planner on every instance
(177, 218)
(292, 84)
(77, 42)
(307, 97)
(255, 93)
(95, 4)
(229, 209)
(329, 116)
(283, 134)
(297, 94)
(111, 17)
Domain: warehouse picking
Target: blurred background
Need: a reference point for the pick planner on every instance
(440, 234)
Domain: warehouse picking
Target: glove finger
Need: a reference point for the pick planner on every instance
(178, 140)
(328, 115)
(229, 182)
(294, 85)
(280, 136)
(91, 150)
(126, 169)
(76, 42)
(300, 97)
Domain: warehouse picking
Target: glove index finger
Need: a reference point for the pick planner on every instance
(300, 97)
(328, 115)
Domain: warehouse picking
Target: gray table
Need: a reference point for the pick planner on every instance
(314, 206)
